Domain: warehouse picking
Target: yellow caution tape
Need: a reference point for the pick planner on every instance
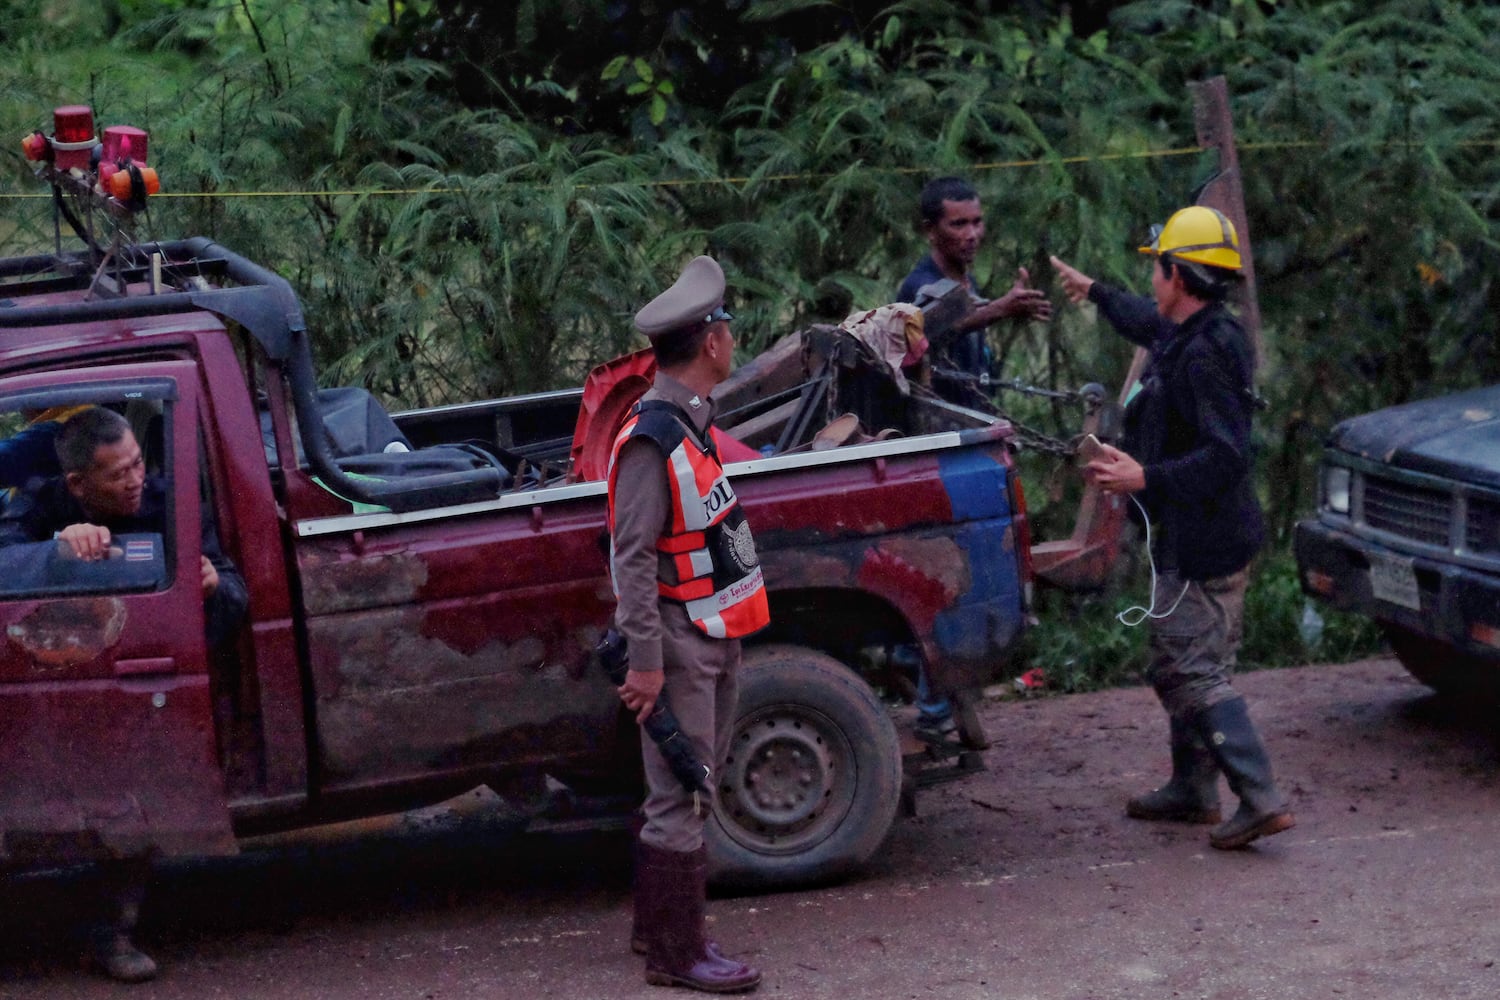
(695, 182)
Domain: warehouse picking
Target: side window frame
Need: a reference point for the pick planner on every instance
(39, 572)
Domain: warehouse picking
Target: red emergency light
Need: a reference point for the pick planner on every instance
(123, 162)
(73, 138)
(73, 123)
(114, 170)
(125, 142)
(34, 146)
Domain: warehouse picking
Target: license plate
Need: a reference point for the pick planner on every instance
(1393, 580)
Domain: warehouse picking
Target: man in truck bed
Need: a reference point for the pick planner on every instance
(953, 223)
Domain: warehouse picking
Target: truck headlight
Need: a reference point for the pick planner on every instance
(1336, 480)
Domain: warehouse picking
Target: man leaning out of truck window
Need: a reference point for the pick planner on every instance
(104, 491)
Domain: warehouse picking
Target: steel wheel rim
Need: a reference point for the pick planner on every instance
(788, 781)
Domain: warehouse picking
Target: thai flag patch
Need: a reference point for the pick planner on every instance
(139, 550)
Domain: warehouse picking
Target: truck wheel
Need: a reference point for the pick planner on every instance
(813, 775)
(1446, 670)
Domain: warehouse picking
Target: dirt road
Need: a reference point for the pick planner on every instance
(1021, 882)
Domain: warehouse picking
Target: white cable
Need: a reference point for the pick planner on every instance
(1133, 616)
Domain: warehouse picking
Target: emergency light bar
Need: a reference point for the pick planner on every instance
(73, 159)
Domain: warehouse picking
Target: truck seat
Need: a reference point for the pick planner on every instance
(356, 424)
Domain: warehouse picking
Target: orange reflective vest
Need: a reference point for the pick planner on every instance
(706, 558)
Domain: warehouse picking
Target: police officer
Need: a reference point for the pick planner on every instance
(689, 588)
(1187, 461)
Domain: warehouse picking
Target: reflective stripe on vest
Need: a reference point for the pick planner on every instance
(707, 553)
(734, 612)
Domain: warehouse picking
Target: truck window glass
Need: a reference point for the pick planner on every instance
(130, 499)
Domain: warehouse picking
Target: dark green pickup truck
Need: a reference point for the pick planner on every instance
(1408, 533)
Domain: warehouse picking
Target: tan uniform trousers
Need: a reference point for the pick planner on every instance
(702, 685)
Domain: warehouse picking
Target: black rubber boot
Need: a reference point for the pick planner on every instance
(115, 954)
(671, 890)
(122, 887)
(639, 919)
(1230, 736)
(1192, 793)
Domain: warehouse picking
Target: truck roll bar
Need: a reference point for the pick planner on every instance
(264, 304)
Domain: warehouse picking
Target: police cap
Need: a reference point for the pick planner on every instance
(696, 297)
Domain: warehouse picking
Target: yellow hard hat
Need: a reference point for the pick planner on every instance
(1199, 234)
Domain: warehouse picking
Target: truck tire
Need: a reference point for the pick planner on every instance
(813, 776)
(1448, 671)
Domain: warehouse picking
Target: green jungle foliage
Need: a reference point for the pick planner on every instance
(473, 198)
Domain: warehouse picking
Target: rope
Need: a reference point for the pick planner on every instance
(703, 182)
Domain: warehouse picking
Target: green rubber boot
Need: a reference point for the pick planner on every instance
(1192, 793)
(1231, 737)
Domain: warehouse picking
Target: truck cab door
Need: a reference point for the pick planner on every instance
(107, 743)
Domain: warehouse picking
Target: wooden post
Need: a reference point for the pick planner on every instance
(1224, 192)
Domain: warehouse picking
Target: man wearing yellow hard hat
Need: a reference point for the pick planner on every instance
(1185, 460)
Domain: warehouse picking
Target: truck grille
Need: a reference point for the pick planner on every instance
(1482, 532)
(1414, 512)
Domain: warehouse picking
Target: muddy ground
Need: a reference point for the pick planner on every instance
(1024, 881)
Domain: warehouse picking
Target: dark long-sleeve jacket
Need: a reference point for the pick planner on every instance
(1189, 427)
(28, 453)
(968, 350)
(45, 507)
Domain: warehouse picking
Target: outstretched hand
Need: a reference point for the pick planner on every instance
(1021, 301)
(1075, 283)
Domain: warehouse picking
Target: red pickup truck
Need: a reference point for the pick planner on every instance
(422, 621)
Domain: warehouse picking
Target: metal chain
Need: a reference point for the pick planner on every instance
(1038, 441)
(1091, 396)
